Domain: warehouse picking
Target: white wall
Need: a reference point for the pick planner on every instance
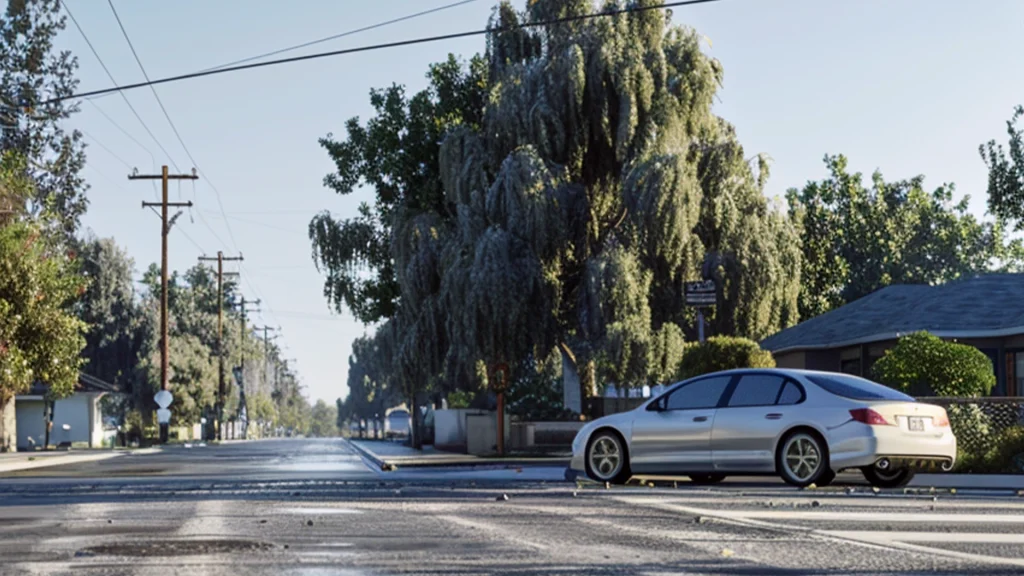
(80, 411)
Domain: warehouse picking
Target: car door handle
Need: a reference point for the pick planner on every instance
(700, 418)
(773, 416)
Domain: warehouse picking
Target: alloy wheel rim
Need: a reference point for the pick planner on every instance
(605, 457)
(802, 457)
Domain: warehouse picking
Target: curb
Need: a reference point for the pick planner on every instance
(367, 455)
(46, 461)
(390, 464)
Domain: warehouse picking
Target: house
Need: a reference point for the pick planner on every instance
(986, 312)
(77, 419)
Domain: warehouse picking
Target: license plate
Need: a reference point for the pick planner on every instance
(916, 424)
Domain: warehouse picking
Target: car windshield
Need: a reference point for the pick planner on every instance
(856, 388)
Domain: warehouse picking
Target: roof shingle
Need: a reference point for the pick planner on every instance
(984, 305)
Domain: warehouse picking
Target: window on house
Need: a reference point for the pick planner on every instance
(850, 366)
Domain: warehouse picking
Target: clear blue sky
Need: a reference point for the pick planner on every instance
(908, 86)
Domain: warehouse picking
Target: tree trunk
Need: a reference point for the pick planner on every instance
(588, 384)
(8, 426)
(571, 399)
(415, 437)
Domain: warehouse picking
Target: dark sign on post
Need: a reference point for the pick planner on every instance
(700, 294)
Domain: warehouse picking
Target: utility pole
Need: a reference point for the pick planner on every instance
(243, 409)
(266, 356)
(164, 396)
(221, 392)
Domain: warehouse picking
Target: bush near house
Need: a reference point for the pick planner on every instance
(722, 353)
(922, 364)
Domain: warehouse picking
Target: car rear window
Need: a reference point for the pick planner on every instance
(856, 388)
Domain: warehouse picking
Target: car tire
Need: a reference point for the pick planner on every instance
(826, 479)
(897, 478)
(802, 459)
(706, 479)
(606, 459)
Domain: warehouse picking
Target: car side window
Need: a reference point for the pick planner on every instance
(756, 390)
(704, 393)
(790, 394)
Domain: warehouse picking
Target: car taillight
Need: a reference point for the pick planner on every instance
(941, 421)
(869, 417)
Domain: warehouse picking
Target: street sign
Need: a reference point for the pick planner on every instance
(701, 293)
(163, 416)
(163, 399)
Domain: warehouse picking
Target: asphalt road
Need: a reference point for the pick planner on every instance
(314, 507)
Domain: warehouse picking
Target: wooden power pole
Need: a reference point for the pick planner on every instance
(164, 177)
(243, 408)
(266, 355)
(221, 389)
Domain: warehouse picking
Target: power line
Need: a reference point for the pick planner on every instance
(109, 151)
(123, 131)
(181, 141)
(374, 47)
(111, 77)
(342, 35)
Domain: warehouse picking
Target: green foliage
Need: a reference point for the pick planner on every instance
(857, 239)
(34, 72)
(117, 324)
(395, 153)
(535, 392)
(458, 399)
(924, 365)
(323, 420)
(582, 177)
(722, 353)
(40, 338)
(1006, 173)
(1003, 454)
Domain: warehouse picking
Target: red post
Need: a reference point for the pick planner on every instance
(500, 383)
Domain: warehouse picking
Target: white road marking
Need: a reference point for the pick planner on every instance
(495, 530)
(892, 542)
(883, 536)
(935, 518)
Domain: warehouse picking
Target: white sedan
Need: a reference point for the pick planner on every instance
(801, 425)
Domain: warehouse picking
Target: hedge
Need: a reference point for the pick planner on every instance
(924, 365)
(722, 353)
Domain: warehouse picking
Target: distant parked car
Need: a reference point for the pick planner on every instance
(801, 425)
(397, 423)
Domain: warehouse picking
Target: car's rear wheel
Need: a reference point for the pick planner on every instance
(607, 460)
(892, 478)
(705, 479)
(802, 459)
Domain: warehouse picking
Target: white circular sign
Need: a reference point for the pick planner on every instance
(163, 399)
(163, 416)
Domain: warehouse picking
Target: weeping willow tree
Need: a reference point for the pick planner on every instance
(597, 182)
(581, 179)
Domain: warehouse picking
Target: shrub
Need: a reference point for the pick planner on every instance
(1005, 454)
(459, 399)
(924, 365)
(722, 353)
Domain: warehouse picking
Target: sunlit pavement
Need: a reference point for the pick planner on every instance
(315, 507)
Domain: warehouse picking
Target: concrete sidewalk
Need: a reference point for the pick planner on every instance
(388, 456)
(15, 461)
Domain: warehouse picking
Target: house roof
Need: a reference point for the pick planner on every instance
(981, 307)
(86, 383)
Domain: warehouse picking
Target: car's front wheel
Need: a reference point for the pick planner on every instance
(607, 460)
(893, 478)
(802, 459)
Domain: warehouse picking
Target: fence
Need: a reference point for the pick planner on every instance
(989, 432)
